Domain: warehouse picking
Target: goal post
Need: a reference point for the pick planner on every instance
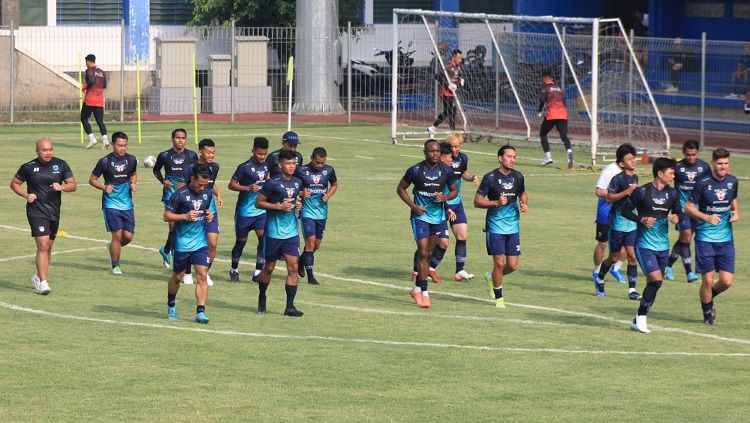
(608, 97)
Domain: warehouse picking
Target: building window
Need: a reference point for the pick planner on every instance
(382, 10)
(494, 7)
(34, 12)
(741, 9)
(73, 12)
(171, 12)
(704, 8)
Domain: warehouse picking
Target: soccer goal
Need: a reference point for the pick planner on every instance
(608, 98)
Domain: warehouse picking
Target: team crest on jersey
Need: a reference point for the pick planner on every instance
(325, 172)
(729, 185)
(316, 179)
(720, 194)
(205, 197)
(55, 168)
(41, 229)
(691, 176)
(197, 204)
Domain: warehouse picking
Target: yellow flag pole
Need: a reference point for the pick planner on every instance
(138, 94)
(80, 91)
(195, 104)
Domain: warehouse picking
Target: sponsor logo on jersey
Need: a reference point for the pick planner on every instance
(197, 204)
(316, 179)
(691, 176)
(660, 201)
(506, 185)
(178, 161)
(720, 194)
(290, 192)
(119, 167)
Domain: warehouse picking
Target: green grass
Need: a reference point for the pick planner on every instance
(100, 348)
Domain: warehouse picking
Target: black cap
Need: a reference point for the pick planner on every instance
(91, 58)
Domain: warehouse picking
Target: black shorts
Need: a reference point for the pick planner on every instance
(41, 226)
(602, 232)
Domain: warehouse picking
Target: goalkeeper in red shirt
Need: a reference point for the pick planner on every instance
(93, 102)
(555, 116)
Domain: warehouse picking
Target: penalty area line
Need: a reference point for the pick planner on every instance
(338, 339)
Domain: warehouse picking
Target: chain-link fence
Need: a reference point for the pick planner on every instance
(227, 71)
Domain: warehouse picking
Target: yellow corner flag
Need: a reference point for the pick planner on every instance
(290, 70)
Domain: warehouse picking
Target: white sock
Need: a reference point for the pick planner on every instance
(425, 294)
(631, 290)
(597, 267)
(416, 290)
(548, 155)
(104, 139)
(92, 137)
(256, 273)
(617, 266)
(570, 151)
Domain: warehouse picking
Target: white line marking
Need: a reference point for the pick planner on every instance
(77, 250)
(455, 295)
(409, 155)
(232, 332)
(365, 157)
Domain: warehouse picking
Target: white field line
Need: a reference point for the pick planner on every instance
(365, 157)
(436, 345)
(77, 250)
(462, 296)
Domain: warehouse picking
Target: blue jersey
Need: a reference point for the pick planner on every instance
(277, 190)
(429, 181)
(686, 175)
(317, 181)
(190, 235)
(248, 173)
(651, 202)
(187, 173)
(504, 219)
(459, 164)
(713, 196)
(173, 164)
(117, 172)
(620, 183)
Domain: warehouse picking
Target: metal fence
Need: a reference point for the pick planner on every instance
(698, 84)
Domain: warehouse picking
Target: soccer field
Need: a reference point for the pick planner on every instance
(99, 347)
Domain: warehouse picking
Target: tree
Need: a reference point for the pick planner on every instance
(263, 13)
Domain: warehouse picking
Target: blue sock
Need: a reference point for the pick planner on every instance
(291, 292)
(437, 256)
(632, 275)
(498, 292)
(310, 262)
(460, 255)
(649, 296)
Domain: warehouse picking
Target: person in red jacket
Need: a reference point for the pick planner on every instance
(556, 116)
(450, 81)
(93, 102)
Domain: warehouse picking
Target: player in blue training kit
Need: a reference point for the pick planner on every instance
(319, 183)
(173, 161)
(189, 208)
(430, 178)
(688, 171)
(622, 232)
(503, 193)
(248, 180)
(206, 156)
(289, 142)
(713, 204)
(657, 204)
(460, 163)
(602, 214)
(279, 197)
(120, 182)
(46, 178)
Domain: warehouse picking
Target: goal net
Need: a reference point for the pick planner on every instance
(504, 58)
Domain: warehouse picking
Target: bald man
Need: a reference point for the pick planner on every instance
(46, 178)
